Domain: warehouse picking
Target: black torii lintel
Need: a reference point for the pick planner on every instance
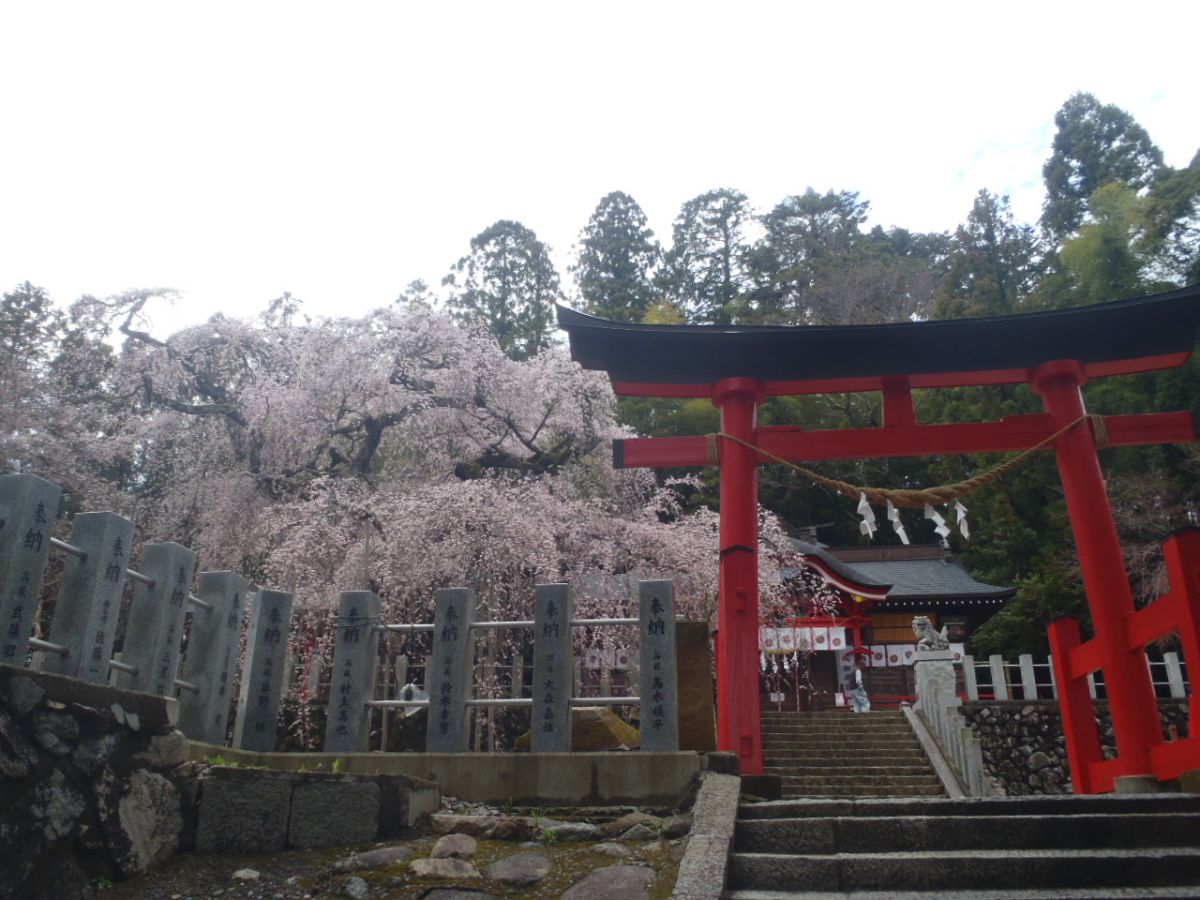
(1116, 338)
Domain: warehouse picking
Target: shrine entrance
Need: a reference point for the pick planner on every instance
(1055, 353)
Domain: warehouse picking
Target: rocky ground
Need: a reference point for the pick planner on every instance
(467, 853)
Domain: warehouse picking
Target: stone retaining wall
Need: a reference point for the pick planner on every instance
(95, 783)
(91, 786)
(1024, 750)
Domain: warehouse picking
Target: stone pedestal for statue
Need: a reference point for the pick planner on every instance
(934, 673)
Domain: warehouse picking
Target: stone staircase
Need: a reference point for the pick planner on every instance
(1028, 847)
(840, 754)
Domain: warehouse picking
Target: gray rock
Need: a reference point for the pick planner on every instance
(142, 820)
(1038, 760)
(454, 846)
(331, 813)
(373, 859)
(23, 694)
(678, 849)
(620, 851)
(246, 875)
(613, 883)
(92, 754)
(520, 869)
(677, 826)
(576, 831)
(356, 888)
(444, 868)
(243, 812)
(56, 806)
(56, 732)
(17, 756)
(166, 751)
(449, 823)
(627, 821)
(513, 828)
(640, 833)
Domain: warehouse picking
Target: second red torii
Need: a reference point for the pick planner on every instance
(1054, 352)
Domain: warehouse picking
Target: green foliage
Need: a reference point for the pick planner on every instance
(616, 260)
(1095, 144)
(992, 265)
(508, 285)
(705, 269)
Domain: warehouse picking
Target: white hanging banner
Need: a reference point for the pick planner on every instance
(790, 640)
(879, 656)
(942, 529)
(893, 515)
(867, 525)
(961, 512)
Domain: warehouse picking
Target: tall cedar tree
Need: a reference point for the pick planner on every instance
(616, 259)
(705, 268)
(1096, 144)
(507, 284)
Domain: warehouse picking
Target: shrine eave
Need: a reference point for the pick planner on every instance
(1140, 334)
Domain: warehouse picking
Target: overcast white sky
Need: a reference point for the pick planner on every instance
(338, 151)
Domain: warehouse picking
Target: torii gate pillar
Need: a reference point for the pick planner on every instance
(739, 728)
(1131, 697)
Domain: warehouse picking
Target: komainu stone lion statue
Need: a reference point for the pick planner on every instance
(927, 638)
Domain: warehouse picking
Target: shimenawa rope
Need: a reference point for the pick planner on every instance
(908, 498)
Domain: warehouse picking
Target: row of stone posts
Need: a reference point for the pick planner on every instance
(449, 671)
(88, 607)
(83, 633)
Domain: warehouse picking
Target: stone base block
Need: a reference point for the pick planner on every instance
(332, 813)
(243, 811)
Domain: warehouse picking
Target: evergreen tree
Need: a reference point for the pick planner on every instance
(992, 265)
(507, 284)
(1096, 144)
(616, 260)
(806, 236)
(705, 268)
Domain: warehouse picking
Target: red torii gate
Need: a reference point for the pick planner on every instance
(1055, 353)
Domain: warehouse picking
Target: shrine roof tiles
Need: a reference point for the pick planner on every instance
(929, 579)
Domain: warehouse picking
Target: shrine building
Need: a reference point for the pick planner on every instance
(869, 596)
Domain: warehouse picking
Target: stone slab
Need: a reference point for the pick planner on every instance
(263, 674)
(448, 676)
(28, 508)
(156, 616)
(553, 669)
(89, 597)
(212, 653)
(524, 778)
(243, 811)
(656, 636)
(332, 813)
(153, 712)
(352, 683)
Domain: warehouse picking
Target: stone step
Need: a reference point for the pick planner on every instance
(1180, 892)
(847, 746)
(858, 780)
(873, 715)
(1065, 806)
(880, 757)
(967, 870)
(878, 834)
(863, 792)
(872, 734)
(850, 773)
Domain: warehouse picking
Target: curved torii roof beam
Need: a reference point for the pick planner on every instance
(1136, 335)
